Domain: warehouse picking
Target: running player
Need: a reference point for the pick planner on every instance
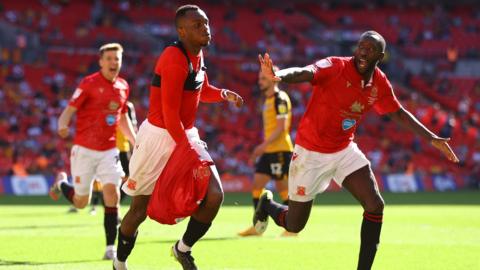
(274, 153)
(178, 85)
(99, 102)
(344, 88)
(123, 146)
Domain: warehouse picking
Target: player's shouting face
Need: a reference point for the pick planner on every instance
(367, 54)
(110, 64)
(194, 28)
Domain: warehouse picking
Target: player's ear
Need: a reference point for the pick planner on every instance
(381, 56)
(181, 32)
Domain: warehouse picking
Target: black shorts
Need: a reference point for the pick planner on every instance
(124, 160)
(274, 164)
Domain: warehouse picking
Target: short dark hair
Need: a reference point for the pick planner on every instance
(181, 11)
(375, 35)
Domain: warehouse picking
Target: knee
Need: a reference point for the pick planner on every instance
(80, 202)
(214, 199)
(375, 205)
(80, 205)
(139, 214)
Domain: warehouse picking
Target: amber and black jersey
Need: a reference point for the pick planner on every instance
(277, 106)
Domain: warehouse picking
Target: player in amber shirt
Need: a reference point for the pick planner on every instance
(344, 88)
(274, 153)
(178, 85)
(99, 103)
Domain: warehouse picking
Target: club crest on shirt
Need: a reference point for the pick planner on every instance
(373, 96)
(348, 123)
(357, 107)
(113, 106)
(101, 89)
(301, 190)
(349, 84)
(282, 109)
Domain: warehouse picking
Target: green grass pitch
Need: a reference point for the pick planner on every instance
(421, 231)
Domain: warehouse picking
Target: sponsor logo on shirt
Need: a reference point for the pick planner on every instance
(348, 123)
(201, 172)
(110, 119)
(294, 156)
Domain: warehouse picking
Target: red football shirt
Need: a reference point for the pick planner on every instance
(171, 106)
(99, 103)
(338, 102)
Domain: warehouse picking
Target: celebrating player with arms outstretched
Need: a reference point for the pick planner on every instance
(344, 88)
(178, 84)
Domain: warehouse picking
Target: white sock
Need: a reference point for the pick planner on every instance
(110, 247)
(182, 247)
(119, 265)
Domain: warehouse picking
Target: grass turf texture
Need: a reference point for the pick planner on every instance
(421, 231)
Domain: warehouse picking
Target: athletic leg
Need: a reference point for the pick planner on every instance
(199, 222)
(260, 180)
(110, 219)
(127, 233)
(362, 185)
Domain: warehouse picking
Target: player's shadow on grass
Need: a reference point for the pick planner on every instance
(9, 263)
(51, 226)
(171, 241)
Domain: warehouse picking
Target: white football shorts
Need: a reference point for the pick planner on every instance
(87, 165)
(310, 172)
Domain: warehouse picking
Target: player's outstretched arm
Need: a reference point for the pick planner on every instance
(289, 75)
(64, 121)
(405, 118)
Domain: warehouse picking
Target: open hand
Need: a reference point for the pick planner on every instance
(266, 67)
(233, 97)
(442, 145)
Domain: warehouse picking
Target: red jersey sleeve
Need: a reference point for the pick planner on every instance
(324, 70)
(387, 102)
(173, 75)
(79, 96)
(210, 93)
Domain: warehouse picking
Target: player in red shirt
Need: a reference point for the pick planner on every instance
(178, 85)
(344, 88)
(99, 103)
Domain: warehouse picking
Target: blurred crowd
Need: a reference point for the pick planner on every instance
(433, 60)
